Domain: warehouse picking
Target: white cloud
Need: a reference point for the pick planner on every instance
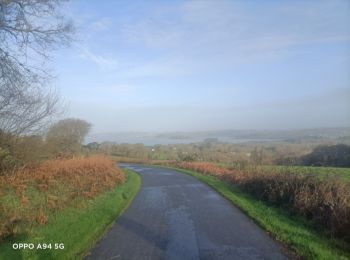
(200, 45)
(104, 63)
(198, 36)
(227, 32)
(101, 25)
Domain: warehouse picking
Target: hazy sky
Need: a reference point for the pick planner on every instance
(206, 65)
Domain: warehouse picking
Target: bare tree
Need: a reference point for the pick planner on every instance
(66, 136)
(29, 30)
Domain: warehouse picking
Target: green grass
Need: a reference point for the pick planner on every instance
(294, 232)
(79, 227)
(343, 173)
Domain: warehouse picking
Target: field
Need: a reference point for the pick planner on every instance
(62, 201)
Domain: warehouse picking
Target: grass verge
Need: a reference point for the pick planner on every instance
(78, 227)
(296, 233)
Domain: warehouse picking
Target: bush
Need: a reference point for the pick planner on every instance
(7, 161)
(325, 201)
(30, 195)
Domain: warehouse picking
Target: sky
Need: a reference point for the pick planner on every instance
(154, 66)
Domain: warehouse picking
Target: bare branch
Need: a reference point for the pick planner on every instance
(29, 30)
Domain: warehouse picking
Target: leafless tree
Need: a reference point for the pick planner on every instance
(65, 137)
(29, 31)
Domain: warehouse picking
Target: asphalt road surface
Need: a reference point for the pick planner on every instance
(175, 216)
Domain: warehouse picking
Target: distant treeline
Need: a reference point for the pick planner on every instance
(324, 155)
(336, 155)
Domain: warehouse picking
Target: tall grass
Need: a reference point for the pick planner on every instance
(30, 195)
(325, 201)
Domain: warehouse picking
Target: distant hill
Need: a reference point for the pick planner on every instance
(317, 135)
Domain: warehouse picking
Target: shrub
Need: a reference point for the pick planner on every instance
(325, 201)
(7, 161)
(29, 195)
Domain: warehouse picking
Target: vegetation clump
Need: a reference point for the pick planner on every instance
(325, 201)
(30, 195)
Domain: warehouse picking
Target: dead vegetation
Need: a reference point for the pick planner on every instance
(29, 195)
(325, 201)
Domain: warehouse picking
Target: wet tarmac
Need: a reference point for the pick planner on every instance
(175, 216)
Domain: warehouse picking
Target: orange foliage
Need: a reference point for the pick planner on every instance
(91, 174)
(41, 218)
(325, 201)
(58, 183)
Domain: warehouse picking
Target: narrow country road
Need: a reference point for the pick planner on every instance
(175, 216)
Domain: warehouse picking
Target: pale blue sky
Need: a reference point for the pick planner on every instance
(206, 65)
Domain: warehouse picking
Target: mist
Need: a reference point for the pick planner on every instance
(331, 110)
